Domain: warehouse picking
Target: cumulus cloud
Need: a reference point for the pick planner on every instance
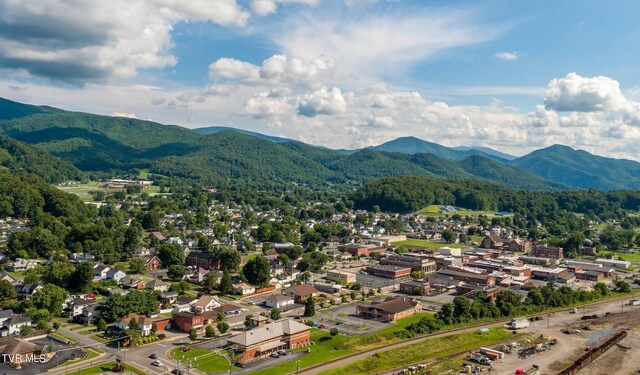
(232, 69)
(265, 7)
(80, 42)
(322, 102)
(220, 90)
(509, 56)
(266, 105)
(585, 94)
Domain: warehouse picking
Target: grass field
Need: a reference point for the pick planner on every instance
(106, 368)
(82, 190)
(434, 210)
(326, 348)
(202, 359)
(624, 256)
(426, 243)
(386, 335)
(437, 347)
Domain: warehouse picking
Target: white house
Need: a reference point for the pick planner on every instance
(158, 285)
(12, 323)
(23, 264)
(280, 301)
(115, 274)
(244, 289)
(205, 303)
(101, 271)
(144, 324)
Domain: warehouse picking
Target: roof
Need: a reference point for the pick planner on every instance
(279, 298)
(205, 301)
(227, 308)
(495, 238)
(18, 319)
(113, 271)
(392, 305)
(268, 332)
(156, 283)
(83, 301)
(303, 289)
(140, 319)
(243, 286)
(19, 346)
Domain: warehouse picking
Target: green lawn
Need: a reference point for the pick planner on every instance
(437, 347)
(82, 190)
(202, 359)
(386, 335)
(621, 255)
(434, 210)
(325, 349)
(426, 243)
(106, 367)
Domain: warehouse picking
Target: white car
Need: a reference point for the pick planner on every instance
(157, 363)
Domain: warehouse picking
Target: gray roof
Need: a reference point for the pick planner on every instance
(4, 314)
(268, 332)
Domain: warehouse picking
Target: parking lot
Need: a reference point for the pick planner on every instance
(344, 318)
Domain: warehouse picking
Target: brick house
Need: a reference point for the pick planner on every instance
(492, 241)
(184, 321)
(390, 310)
(302, 292)
(547, 252)
(153, 263)
(519, 245)
(269, 338)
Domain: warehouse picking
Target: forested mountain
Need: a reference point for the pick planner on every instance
(486, 150)
(18, 156)
(580, 169)
(413, 145)
(218, 129)
(116, 145)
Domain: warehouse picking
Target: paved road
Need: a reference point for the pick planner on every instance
(557, 318)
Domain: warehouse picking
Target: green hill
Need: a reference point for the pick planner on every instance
(20, 157)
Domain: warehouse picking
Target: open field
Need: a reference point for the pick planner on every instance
(426, 243)
(434, 210)
(622, 255)
(202, 359)
(326, 348)
(438, 347)
(82, 190)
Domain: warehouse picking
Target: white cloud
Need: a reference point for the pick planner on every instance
(123, 114)
(232, 69)
(81, 41)
(322, 102)
(585, 94)
(381, 121)
(265, 7)
(220, 90)
(268, 105)
(509, 56)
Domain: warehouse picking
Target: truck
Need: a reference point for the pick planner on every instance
(477, 358)
(518, 324)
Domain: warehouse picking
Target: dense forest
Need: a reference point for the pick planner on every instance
(409, 194)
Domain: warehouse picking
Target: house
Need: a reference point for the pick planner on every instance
(143, 251)
(202, 259)
(158, 285)
(152, 263)
(390, 310)
(243, 289)
(183, 304)
(16, 351)
(14, 324)
(101, 271)
(77, 305)
(26, 290)
(269, 338)
(280, 301)
(588, 250)
(169, 297)
(158, 236)
(22, 264)
(81, 257)
(519, 245)
(492, 241)
(547, 252)
(116, 275)
(144, 323)
(302, 292)
(205, 303)
(90, 314)
(131, 282)
(7, 277)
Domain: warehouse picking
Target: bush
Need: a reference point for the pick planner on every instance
(162, 336)
(333, 331)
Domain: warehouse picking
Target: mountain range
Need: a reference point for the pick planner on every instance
(75, 143)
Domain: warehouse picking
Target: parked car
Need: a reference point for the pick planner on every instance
(275, 355)
(157, 363)
(153, 356)
(282, 352)
(175, 371)
(239, 364)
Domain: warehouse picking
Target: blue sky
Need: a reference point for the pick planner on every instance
(510, 75)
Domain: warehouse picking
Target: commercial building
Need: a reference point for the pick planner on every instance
(389, 272)
(415, 287)
(552, 252)
(390, 310)
(417, 262)
(269, 338)
(343, 277)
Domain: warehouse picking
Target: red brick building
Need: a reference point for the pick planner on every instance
(391, 309)
(472, 290)
(184, 321)
(389, 272)
(492, 241)
(153, 263)
(202, 259)
(269, 338)
(358, 250)
(547, 252)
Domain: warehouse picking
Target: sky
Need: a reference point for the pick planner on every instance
(511, 75)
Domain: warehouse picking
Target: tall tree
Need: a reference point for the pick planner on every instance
(226, 287)
(50, 297)
(171, 254)
(257, 271)
(309, 307)
(82, 276)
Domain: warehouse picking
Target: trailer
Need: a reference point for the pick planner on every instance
(517, 324)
